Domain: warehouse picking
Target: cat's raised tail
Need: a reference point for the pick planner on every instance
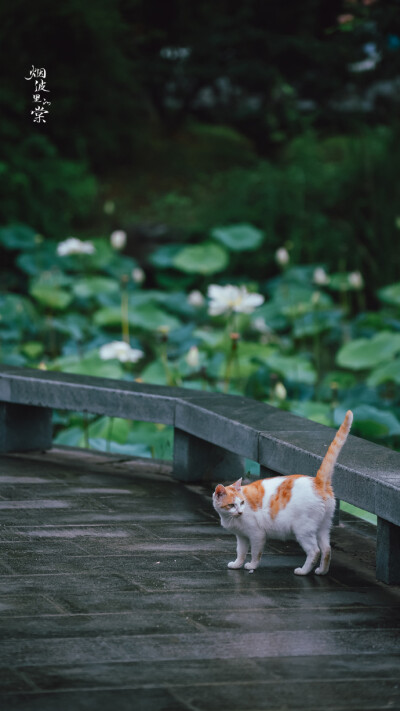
(325, 472)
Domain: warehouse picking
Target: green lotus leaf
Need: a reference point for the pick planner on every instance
(52, 297)
(43, 258)
(315, 411)
(163, 258)
(91, 364)
(239, 238)
(294, 300)
(113, 428)
(19, 236)
(364, 353)
(130, 450)
(154, 373)
(33, 349)
(390, 294)
(71, 437)
(148, 317)
(16, 312)
(296, 369)
(372, 423)
(95, 286)
(206, 258)
(316, 322)
(389, 372)
(157, 437)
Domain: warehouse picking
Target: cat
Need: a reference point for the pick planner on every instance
(296, 506)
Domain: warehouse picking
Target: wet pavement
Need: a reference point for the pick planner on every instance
(114, 594)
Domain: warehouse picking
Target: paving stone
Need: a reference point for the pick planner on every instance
(57, 625)
(207, 645)
(291, 695)
(250, 671)
(140, 699)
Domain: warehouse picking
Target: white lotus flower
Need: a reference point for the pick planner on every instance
(118, 239)
(138, 275)
(282, 256)
(195, 298)
(320, 276)
(356, 280)
(72, 245)
(193, 357)
(121, 351)
(224, 299)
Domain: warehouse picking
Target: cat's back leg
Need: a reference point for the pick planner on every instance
(309, 544)
(323, 539)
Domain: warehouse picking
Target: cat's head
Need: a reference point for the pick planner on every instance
(229, 500)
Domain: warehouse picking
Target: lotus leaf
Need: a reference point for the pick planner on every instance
(364, 353)
(51, 297)
(19, 236)
(119, 428)
(206, 258)
(93, 286)
(390, 294)
(316, 322)
(389, 372)
(239, 238)
(372, 423)
(90, 364)
(316, 411)
(163, 258)
(296, 369)
(148, 317)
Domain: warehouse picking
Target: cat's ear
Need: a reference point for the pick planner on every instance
(238, 484)
(220, 490)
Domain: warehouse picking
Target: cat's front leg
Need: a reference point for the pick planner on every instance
(241, 552)
(257, 547)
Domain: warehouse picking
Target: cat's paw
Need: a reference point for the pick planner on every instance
(321, 571)
(235, 564)
(250, 566)
(299, 571)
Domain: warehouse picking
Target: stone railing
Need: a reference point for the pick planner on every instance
(213, 433)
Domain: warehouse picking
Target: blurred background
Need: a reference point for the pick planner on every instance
(228, 173)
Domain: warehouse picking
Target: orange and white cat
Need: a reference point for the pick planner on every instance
(299, 507)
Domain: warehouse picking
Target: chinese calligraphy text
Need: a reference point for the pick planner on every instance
(38, 74)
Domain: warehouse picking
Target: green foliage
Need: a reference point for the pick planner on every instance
(206, 258)
(302, 349)
(38, 184)
(326, 198)
(239, 238)
(364, 353)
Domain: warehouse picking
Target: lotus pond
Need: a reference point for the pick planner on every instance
(302, 341)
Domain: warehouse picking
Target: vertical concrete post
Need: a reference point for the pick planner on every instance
(198, 460)
(24, 427)
(388, 552)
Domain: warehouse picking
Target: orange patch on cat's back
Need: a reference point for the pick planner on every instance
(322, 488)
(254, 494)
(282, 495)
